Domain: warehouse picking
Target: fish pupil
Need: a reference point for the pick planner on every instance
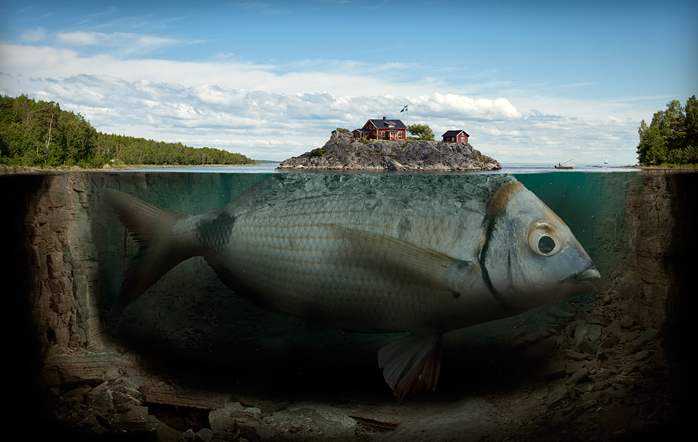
(546, 244)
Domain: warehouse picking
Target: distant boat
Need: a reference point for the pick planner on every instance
(565, 165)
(606, 160)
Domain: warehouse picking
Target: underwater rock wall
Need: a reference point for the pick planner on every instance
(658, 242)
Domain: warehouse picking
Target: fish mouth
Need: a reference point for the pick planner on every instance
(583, 276)
(587, 273)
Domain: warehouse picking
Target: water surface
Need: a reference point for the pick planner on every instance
(514, 168)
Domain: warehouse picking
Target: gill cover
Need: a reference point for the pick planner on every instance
(530, 256)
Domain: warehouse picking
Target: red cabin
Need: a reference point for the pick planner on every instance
(376, 129)
(455, 136)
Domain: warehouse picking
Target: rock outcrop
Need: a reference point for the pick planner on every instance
(343, 152)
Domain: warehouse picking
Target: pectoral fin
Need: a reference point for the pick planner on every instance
(411, 364)
(412, 262)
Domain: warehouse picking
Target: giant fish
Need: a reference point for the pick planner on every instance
(375, 253)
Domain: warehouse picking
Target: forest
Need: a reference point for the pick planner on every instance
(671, 137)
(41, 134)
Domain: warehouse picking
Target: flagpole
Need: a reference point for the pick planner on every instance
(407, 117)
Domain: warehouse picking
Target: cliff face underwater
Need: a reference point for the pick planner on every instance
(190, 355)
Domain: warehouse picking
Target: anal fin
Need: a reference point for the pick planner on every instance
(411, 364)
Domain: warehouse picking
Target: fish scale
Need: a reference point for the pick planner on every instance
(298, 262)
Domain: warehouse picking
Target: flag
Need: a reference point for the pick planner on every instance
(404, 109)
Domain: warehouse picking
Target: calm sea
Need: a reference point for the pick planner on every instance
(506, 168)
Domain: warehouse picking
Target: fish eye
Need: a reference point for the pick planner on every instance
(544, 239)
(546, 244)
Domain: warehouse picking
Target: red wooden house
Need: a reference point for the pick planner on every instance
(455, 136)
(377, 129)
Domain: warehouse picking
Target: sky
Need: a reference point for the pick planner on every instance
(537, 82)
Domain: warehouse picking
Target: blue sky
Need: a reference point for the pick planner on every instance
(541, 81)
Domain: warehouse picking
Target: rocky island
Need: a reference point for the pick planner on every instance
(344, 152)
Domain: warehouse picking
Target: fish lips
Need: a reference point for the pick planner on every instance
(582, 278)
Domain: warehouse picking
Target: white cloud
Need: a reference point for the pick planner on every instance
(264, 112)
(80, 38)
(122, 43)
(33, 35)
(466, 107)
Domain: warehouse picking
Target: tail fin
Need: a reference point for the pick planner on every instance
(151, 226)
(411, 364)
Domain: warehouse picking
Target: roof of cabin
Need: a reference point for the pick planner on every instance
(453, 133)
(383, 124)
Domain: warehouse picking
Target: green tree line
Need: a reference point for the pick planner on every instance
(41, 134)
(672, 136)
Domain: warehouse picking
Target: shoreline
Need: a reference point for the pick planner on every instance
(7, 170)
(4, 170)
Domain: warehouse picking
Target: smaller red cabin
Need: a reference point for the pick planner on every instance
(455, 136)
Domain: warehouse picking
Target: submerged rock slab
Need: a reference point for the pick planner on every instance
(343, 152)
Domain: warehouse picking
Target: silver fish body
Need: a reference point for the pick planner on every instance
(375, 253)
